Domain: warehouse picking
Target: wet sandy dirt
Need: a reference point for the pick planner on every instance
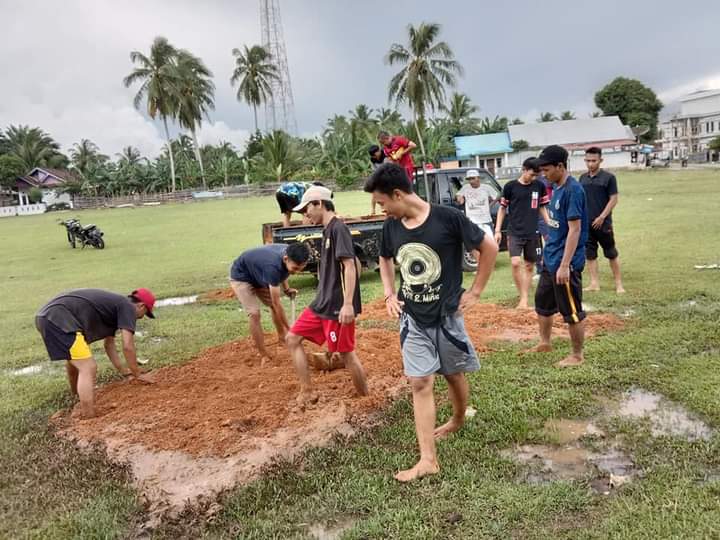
(220, 418)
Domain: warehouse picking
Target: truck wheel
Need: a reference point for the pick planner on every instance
(469, 264)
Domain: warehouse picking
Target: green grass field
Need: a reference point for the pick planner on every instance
(667, 222)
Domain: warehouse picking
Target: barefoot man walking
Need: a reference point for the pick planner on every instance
(428, 241)
(560, 285)
(331, 316)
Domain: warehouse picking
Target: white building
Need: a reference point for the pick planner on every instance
(494, 152)
(688, 133)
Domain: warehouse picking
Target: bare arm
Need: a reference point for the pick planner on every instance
(128, 339)
(347, 312)
(111, 351)
(498, 223)
(387, 275)
(485, 255)
(276, 307)
(563, 273)
(544, 214)
(612, 203)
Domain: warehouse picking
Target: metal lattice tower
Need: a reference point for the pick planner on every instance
(280, 108)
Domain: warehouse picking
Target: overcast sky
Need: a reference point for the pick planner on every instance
(62, 62)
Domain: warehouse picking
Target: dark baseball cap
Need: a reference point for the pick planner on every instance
(552, 155)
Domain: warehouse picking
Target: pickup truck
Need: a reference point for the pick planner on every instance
(440, 184)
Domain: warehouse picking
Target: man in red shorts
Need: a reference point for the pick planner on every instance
(331, 316)
(397, 148)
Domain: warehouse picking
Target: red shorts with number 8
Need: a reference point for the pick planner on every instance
(339, 337)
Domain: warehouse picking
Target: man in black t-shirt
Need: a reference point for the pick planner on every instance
(331, 316)
(602, 196)
(72, 320)
(428, 242)
(524, 200)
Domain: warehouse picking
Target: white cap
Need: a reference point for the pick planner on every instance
(313, 193)
(472, 173)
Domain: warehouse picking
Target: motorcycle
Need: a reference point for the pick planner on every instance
(86, 235)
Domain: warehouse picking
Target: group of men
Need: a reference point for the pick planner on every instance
(426, 242)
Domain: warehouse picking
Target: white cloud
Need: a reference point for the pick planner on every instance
(214, 133)
(676, 92)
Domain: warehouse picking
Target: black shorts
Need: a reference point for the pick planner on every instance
(529, 248)
(286, 202)
(603, 236)
(567, 298)
(62, 345)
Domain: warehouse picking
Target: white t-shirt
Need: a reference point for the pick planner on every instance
(477, 207)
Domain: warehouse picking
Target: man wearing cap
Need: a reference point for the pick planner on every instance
(524, 201)
(74, 319)
(477, 198)
(331, 316)
(261, 275)
(560, 285)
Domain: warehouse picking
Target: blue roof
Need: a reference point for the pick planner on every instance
(482, 145)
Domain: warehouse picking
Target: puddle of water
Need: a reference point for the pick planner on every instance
(564, 431)
(177, 301)
(320, 531)
(29, 370)
(666, 417)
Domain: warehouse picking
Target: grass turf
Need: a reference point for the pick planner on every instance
(665, 225)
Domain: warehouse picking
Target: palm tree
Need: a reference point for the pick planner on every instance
(158, 76)
(460, 114)
(85, 154)
(196, 98)
(567, 115)
(496, 125)
(255, 71)
(388, 119)
(427, 67)
(547, 117)
(32, 146)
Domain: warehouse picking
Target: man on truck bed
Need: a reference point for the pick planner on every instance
(288, 196)
(262, 274)
(397, 148)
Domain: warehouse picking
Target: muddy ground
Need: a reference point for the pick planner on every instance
(218, 419)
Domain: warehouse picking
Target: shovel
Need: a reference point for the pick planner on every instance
(292, 308)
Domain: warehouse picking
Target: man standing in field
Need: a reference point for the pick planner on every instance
(477, 198)
(397, 148)
(427, 242)
(331, 316)
(602, 196)
(560, 285)
(74, 319)
(261, 275)
(524, 200)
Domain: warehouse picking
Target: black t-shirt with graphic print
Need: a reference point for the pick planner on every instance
(430, 260)
(523, 202)
(337, 244)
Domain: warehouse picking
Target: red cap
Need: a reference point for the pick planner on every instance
(147, 298)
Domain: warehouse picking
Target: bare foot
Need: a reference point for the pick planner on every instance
(446, 429)
(422, 468)
(307, 397)
(522, 305)
(540, 347)
(591, 288)
(619, 289)
(265, 359)
(570, 361)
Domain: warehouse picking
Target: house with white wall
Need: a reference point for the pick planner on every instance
(687, 134)
(50, 182)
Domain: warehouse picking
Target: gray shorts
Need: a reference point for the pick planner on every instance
(445, 348)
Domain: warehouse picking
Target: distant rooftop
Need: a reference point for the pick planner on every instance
(573, 132)
(482, 145)
(699, 94)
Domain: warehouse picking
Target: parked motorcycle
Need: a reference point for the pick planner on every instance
(86, 235)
